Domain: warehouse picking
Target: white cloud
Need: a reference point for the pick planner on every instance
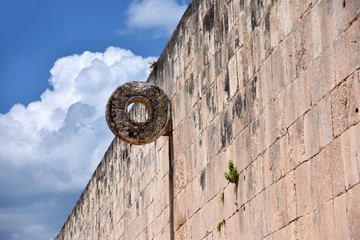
(162, 16)
(54, 144)
(50, 148)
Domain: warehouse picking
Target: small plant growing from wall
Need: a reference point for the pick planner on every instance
(220, 224)
(233, 174)
(222, 198)
(237, 206)
(152, 65)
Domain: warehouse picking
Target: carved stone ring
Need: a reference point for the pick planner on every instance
(136, 132)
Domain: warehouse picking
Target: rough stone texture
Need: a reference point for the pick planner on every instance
(273, 85)
(131, 129)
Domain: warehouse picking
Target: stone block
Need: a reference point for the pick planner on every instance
(304, 201)
(179, 174)
(279, 115)
(350, 155)
(322, 75)
(352, 10)
(267, 84)
(282, 202)
(213, 139)
(321, 184)
(352, 38)
(244, 222)
(193, 196)
(339, 109)
(287, 232)
(296, 142)
(353, 211)
(341, 60)
(254, 98)
(316, 24)
(210, 104)
(239, 111)
(311, 133)
(342, 230)
(325, 124)
(180, 204)
(233, 227)
(257, 216)
(278, 65)
(353, 97)
(269, 120)
(336, 167)
(327, 225)
(274, 29)
(233, 76)
(308, 226)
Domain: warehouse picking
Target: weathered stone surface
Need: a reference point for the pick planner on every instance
(133, 132)
(273, 86)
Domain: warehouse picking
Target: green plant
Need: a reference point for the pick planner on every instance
(233, 174)
(222, 197)
(152, 65)
(220, 224)
(237, 206)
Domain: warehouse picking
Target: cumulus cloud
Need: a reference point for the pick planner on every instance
(161, 16)
(52, 146)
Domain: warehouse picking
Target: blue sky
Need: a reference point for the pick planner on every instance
(60, 60)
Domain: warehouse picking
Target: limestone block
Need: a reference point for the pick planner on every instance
(278, 66)
(341, 60)
(264, 34)
(279, 115)
(193, 194)
(239, 111)
(254, 98)
(274, 28)
(267, 84)
(304, 201)
(233, 227)
(179, 175)
(311, 133)
(228, 208)
(257, 216)
(212, 138)
(244, 222)
(327, 226)
(210, 104)
(181, 233)
(282, 202)
(193, 230)
(322, 75)
(316, 31)
(352, 10)
(233, 81)
(269, 120)
(342, 230)
(285, 17)
(352, 38)
(308, 226)
(180, 216)
(339, 109)
(321, 187)
(336, 167)
(349, 153)
(353, 97)
(325, 124)
(354, 211)
(288, 232)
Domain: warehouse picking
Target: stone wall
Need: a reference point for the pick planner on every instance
(273, 86)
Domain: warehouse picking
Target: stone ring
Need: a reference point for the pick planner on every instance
(126, 125)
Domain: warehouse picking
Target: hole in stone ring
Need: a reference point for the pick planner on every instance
(356, 110)
(139, 110)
